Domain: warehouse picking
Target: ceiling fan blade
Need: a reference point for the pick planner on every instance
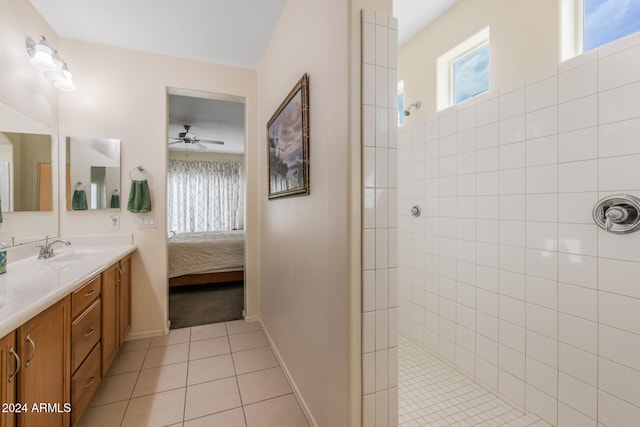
(178, 139)
(202, 147)
(176, 142)
(209, 141)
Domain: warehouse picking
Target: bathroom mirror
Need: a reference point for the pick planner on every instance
(28, 177)
(93, 173)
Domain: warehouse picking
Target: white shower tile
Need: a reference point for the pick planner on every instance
(368, 43)
(542, 207)
(368, 84)
(382, 329)
(512, 103)
(382, 289)
(513, 207)
(368, 126)
(488, 160)
(368, 208)
(368, 249)
(613, 411)
(512, 362)
(466, 118)
(619, 311)
(578, 332)
(578, 114)
(578, 301)
(513, 233)
(614, 276)
(512, 130)
(619, 381)
(542, 94)
(382, 127)
(511, 388)
(368, 167)
(567, 416)
(512, 336)
(621, 103)
(542, 376)
(393, 168)
(448, 124)
(578, 82)
(619, 45)
(393, 127)
(618, 246)
(382, 19)
(512, 181)
(542, 264)
(487, 325)
(542, 151)
(382, 208)
(382, 370)
(487, 230)
(542, 320)
(368, 16)
(487, 254)
(368, 291)
(578, 176)
(512, 156)
(393, 48)
(542, 405)
(542, 292)
(369, 332)
(580, 239)
(619, 139)
(577, 207)
(579, 364)
(577, 394)
(512, 310)
(382, 248)
(381, 168)
(432, 128)
(512, 259)
(542, 179)
(619, 69)
(488, 111)
(578, 145)
(542, 235)
(382, 45)
(487, 135)
(578, 270)
(542, 122)
(578, 61)
(619, 346)
(542, 348)
(382, 87)
(618, 173)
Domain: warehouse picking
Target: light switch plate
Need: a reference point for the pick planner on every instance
(114, 222)
(146, 221)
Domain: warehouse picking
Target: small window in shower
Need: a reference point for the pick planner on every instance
(464, 71)
(589, 24)
(401, 103)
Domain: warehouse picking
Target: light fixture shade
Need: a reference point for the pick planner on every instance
(56, 75)
(42, 57)
(66, 84)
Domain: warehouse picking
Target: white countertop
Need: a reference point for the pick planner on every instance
(30, 286)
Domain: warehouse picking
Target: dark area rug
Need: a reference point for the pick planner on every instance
(203, 304)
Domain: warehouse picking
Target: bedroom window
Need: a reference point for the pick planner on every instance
(588, 24)
(203, 195)
(463, 72)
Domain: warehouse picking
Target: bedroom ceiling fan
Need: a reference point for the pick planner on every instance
(188, 137)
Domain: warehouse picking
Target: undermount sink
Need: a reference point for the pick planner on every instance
(73, 255)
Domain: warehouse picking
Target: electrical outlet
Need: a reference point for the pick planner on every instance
(114, 222)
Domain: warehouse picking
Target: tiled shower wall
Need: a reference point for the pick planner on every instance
(505, 274)
(379, 221)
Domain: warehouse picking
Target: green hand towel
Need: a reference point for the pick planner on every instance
(139, 197)
(79, 200)
(1, 218)
(115, 201)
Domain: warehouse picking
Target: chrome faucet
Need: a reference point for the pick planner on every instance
(46, 250)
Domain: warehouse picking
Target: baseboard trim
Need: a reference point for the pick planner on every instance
(287, 374)
(146, 334)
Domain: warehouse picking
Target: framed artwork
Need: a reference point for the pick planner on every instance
(288, 144)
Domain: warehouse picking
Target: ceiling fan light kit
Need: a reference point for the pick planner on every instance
(188, 137)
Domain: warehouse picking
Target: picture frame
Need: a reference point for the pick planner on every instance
(288, 144)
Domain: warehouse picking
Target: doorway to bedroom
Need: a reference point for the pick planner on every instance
(205, 207)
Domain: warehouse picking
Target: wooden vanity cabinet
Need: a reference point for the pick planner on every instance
(86, 330)
(9, 364)
(43, 345)
(116, 309)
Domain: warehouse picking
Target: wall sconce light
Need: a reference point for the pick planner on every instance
(48, 60)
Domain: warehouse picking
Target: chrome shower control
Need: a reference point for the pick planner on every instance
(618, 214)
(416, 211)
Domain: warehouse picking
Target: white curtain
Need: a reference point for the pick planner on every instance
(203, 195)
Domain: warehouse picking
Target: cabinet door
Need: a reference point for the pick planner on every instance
(8, 367)
(44, 378)
(110, 302)
(125, 298)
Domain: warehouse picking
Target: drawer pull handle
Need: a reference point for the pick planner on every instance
(91, 380)
(14, 354)
(90, 332)
(89, 293)
(33, 350)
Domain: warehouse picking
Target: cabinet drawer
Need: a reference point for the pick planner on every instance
(85, 333)
(84, 383)
(83, 297)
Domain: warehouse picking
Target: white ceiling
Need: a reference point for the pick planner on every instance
(231, 32)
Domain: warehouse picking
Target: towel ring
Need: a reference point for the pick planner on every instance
(79, 186)
(138, 168)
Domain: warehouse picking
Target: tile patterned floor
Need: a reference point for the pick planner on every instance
(222, 374)
(431, 393)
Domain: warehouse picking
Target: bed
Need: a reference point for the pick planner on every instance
(206, 257)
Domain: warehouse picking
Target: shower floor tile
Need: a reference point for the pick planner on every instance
(431, 393)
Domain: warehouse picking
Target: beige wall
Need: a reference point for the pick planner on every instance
(524, 43)
(23, 87)
(122, 94)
